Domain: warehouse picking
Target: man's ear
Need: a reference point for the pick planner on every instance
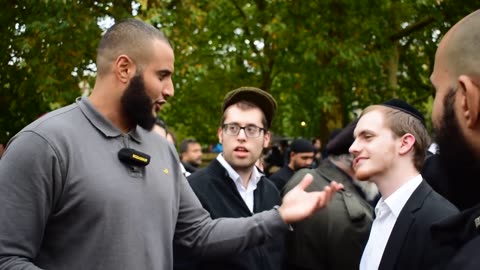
(266, 139)
(406, 143)
(124, 68)
(220, 135)
(470, 100)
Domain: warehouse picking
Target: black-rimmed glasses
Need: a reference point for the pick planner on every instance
(251, 131)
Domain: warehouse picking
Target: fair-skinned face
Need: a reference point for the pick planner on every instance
(240, 151)
(375, 148)
(157, 75)
(193, 154)
(301, 160)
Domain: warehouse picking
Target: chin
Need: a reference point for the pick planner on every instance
(362, 175)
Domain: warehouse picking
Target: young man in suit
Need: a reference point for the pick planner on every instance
(389, 149)
(231, 185)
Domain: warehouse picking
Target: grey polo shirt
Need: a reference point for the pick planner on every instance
(68, 202)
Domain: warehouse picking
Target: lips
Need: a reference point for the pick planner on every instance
(240, 151)
(157, 105)
(357, 160)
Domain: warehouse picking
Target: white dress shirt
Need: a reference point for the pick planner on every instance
(245, 192)
(386, 214)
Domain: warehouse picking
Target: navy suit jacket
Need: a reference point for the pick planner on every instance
(410, 243)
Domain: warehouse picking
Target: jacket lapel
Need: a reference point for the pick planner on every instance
(402, 226)
(227, 186)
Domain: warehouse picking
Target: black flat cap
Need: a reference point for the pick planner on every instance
(404, 107)
(340, 144)
(257, 96)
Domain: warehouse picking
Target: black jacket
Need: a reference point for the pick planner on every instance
(281, 177)
(410, 243)
(219, 196)
(460, 236)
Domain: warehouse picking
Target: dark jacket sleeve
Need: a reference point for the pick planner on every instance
(195, 229)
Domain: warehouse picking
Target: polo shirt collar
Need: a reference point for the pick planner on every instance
(101, 123)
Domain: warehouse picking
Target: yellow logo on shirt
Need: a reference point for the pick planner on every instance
(165, 171)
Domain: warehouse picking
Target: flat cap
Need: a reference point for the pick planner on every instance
(257, 96)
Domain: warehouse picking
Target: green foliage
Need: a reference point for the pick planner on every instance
(322, 60)
(48, 50)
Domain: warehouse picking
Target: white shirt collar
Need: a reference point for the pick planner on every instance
(399, 198)
(254, 178)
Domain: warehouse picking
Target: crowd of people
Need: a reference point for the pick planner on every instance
(99, 184)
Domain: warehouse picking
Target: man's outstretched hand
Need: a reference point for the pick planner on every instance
(298, 204)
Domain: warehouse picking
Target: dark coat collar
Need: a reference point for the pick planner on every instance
(402, 225)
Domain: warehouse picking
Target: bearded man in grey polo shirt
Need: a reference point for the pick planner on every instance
(82, 187)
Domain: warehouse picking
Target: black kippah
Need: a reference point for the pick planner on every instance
(404, 107)
(302, 146)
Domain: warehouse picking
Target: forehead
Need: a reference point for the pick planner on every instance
(193, 145)
(234, 114)
(371, 121)
(162, 55)
(439, 68)
(304, 154)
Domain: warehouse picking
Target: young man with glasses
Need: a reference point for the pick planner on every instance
(231, 185)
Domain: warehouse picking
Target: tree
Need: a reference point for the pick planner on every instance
(322, 60)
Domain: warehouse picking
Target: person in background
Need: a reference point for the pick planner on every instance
(301, 156)
(190, 154)
(317, 145)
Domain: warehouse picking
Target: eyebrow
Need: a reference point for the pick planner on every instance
(164, 72)
(363, 132)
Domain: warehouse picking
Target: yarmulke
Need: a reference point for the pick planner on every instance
(302, 146)
(404, 107)
(340, 144)
(257, 96)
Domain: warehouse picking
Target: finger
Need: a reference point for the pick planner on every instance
(328, 193)
(306, 181)
(336, 186)
(321, 200)
(326, 196)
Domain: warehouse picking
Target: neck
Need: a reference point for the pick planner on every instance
(391, 181)
(245, 175)
(109, 105)
(290, 165)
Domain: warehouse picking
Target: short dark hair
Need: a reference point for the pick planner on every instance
(245, 105)
(185, 143)
(131, 37)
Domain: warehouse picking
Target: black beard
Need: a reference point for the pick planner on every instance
(137, 106)
(457, 158)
